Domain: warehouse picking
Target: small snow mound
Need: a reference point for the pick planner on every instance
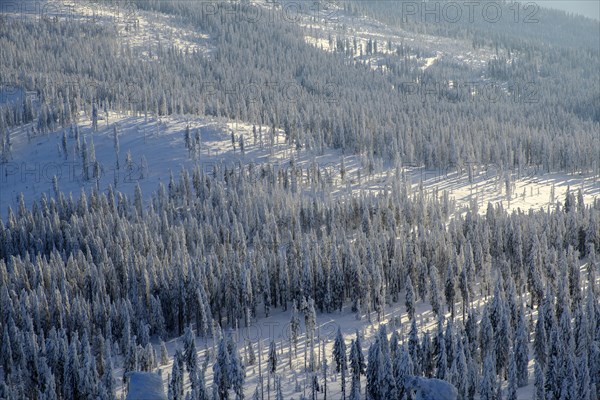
(433, 389)
(145, 386)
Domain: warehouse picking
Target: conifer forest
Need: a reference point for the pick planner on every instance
(308, 200)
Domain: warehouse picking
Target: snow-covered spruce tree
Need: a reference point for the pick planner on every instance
(89, 378)
(294, 328)
(221, 372)
(108, 380)
(553, 372)
(584, 388)
(250, 354)
(450, 341)
(278, 391)
(539, 383)
(500, 326)
(414, 349)
(512, 378)
(175, 389)
(486, 335)
(188, 139)
(236, 369)
(324, 368)
(189, 350)
(310, 322)
(487, 390)
(539, 344)
(314, 386)
(71, 371)
(355, 390)
(164, 353)
(465, 367)
(450, 287)
(272, 361)
(341, 360)
(403, 369)
(337, 282)
(380, 376)
(266, 289)
(568, 386)
(410, 299)
(357, 364)
(6, 354)
(198, 381)
(521, 349)
(440, 354)
(434, 291)
(427, 356)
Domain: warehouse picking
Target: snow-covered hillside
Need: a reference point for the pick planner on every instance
(139, 31)
(150, 150)
(327, 24)
(157, 148)
(180, 224)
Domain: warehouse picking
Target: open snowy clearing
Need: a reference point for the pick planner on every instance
(335, 23)
(295, 379)
(157, 150)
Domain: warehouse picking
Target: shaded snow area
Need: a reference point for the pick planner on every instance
(145, 386)
(433, 389)
(295, 380)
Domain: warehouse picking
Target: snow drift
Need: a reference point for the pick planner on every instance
(145, 386)
(433, 389)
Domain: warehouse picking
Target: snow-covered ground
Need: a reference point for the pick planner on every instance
(145, 386)
(333, 22)
(139, 31)
(295, 379)
(157, 149)
(144, 32)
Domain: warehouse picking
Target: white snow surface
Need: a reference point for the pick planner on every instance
(157, 149)
(145, 386)
(333, 22)
(433, 389)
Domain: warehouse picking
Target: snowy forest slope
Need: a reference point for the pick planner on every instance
(259, 199)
